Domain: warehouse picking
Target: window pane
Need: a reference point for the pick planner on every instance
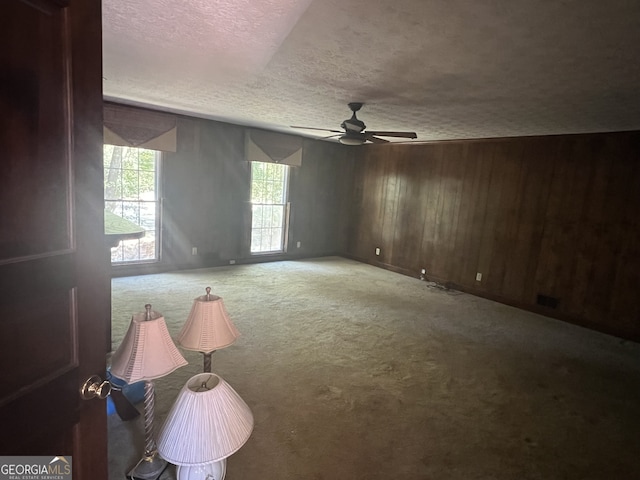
(277, 216)
(266, 216)
(112, 206)
(278, 190)
(131, 211)
(147, 160)
(130, 250)
(129, 158)
(255, 240)
(257, 216)
(257, 184)
(275, 236)
(116, 253)
(147, 246)
(148, 215)
(268, 192)
(113, 188)
(147, 184)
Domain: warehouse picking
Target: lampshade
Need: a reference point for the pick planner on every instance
(147, 350)
(208, 422)
(208, 326)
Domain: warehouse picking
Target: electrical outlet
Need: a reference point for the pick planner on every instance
(194, 250)
(423, 271)
(298, 244)
(232, 262)
(478, 277)
(377, 251)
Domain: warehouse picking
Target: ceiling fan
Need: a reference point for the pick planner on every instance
(354, 132)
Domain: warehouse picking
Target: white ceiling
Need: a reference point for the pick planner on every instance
(446, 69)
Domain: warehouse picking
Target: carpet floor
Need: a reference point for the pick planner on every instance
(355, 372)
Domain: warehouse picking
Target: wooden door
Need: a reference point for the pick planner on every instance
(54, 284)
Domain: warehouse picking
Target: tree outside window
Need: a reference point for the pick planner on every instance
(131, 192)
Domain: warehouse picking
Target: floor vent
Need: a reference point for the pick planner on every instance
(546, 301)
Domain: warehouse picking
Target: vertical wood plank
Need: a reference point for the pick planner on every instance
(429, 198)
(602, 280)
(625, 307)
(533, 185)
(474, 262)
(391, 186)
(449, 187)
(409, 223)
(468, 167)
(500, 215)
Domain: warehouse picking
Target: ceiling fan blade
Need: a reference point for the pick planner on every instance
(369, 136)
(393, 134)
(314, 128)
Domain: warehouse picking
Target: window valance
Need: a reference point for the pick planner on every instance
(271, 147)
(136, 127)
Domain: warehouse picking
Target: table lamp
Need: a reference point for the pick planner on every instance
(207, 423)
(147, 352)
(208, 327)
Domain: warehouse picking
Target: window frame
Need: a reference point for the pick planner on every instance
(285, 205)
(157, 201)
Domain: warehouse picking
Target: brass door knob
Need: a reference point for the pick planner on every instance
(94, 387)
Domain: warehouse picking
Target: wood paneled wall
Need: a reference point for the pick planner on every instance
(206, 189)
(557, 216)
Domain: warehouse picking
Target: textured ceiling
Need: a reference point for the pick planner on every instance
(446, 69)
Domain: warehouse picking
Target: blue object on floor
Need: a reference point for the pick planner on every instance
(134, 392)
(111, 408)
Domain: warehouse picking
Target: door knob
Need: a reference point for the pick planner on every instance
(94, 387)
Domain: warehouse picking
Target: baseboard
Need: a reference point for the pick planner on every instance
(540, 310)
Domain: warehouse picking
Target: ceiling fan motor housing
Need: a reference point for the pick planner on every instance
(353, 124)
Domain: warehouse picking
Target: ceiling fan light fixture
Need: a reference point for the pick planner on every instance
(350, 139)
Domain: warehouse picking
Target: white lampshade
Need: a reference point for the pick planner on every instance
(208, 327)
(147, 350)
(207, 423)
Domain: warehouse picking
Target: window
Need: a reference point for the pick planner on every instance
(269, 184)
(131, 179)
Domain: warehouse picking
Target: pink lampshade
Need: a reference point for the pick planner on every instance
(207, 423)
(147, 350)
(208, 326)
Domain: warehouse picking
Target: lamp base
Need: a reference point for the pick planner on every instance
(150, 467)
(210, 471)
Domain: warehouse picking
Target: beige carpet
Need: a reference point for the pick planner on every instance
(354, 372)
